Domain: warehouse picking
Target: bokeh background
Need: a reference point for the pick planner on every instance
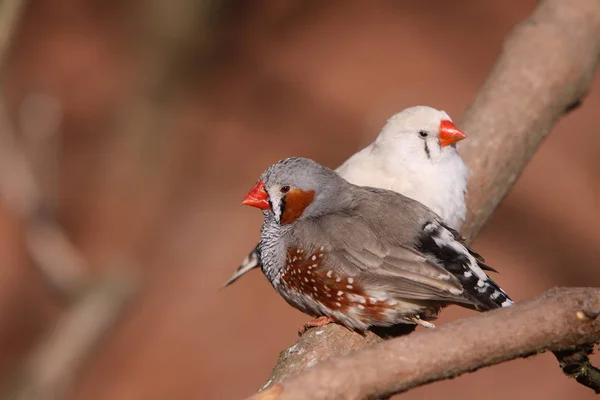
(161, 136)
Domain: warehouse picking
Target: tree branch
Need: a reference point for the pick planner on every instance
(96, 302)
(29, 162)
(55, 362)
(10, 14)
(544, 70)
(575, 363)
(555, 320)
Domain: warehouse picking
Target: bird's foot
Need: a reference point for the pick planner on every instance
(319, 321)
(419, 321)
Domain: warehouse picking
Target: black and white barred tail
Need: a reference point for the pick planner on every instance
(446, 246)
(251, 261)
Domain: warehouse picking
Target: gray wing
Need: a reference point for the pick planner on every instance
(395, 244)
(382, 263)
(399, 271)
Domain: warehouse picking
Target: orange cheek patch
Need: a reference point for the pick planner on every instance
(296, 202)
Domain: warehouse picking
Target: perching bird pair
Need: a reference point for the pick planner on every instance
(369, 257)
(407, 157)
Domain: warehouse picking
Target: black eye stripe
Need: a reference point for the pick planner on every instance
(282, 207)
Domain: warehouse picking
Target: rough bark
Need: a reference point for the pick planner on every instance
(544, 71)
(576, 364)
(558, 319)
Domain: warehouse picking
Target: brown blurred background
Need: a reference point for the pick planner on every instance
(162, 136)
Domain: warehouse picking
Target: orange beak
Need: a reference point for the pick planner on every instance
(257, 197)
(449, 133)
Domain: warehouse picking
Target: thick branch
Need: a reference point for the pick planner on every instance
(545, 69)
(558, 319)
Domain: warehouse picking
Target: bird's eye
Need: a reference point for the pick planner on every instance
(284, 189)
(423, 134)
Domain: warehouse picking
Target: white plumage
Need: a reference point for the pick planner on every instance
(397, 161)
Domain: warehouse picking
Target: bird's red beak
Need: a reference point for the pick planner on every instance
(449, 133)
(257, 197)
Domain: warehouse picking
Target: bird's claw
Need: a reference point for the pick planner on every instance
(319, 321)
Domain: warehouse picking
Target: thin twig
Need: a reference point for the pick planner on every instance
(53, 364)
(576, 364)
(63, 268)
(10, 15)
(29, 189)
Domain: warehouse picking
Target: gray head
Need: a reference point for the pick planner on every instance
(419, 134)
(297, 188)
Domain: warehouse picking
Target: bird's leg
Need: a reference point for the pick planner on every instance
(419, 321)
(319, 321)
